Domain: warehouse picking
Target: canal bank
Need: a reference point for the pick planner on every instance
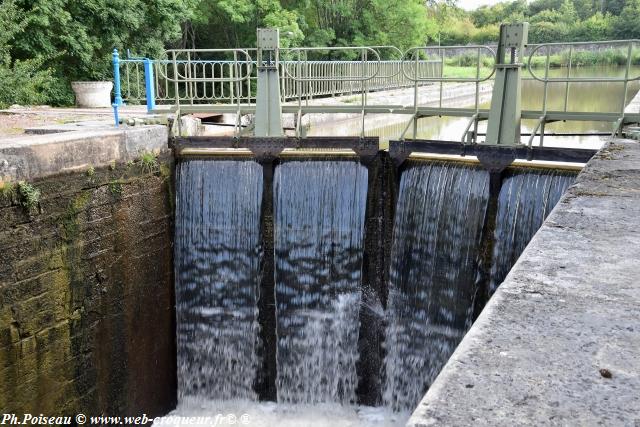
(558, 342)
(87, 274)
(86, 279)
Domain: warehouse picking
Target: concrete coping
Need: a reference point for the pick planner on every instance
(559, 342)
(37, 156)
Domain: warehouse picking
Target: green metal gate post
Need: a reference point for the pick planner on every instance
(268, 119)
(504, 118)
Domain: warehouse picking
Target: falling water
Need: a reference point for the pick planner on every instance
(434, 259)
(217, 262)
(319, 216)
(526, 198)
(319, 229)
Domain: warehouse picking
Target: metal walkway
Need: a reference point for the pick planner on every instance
(269, 81)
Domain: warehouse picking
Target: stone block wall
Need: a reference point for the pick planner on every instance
(86, 293)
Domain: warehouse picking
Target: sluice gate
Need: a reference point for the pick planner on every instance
(325, 270)
(362, 272)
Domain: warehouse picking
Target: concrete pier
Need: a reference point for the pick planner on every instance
(558, 343)
(28, 157)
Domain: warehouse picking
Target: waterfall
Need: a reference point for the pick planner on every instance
(434, 270)
(526, 198)
(319, 228)
(318, 254)
(217, 269)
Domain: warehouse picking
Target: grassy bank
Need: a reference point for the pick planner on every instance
(614, 57)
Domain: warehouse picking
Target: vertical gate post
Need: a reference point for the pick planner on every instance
(268, 120)
(505, 114)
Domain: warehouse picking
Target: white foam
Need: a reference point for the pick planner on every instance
(269, 414)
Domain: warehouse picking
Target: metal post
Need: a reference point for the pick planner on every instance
(566, 86)
(176, 88)
(149, 85)
(415, 96)
(117, 102)
(505, 114)
(545, 95)
(441, 76)
(268, 121)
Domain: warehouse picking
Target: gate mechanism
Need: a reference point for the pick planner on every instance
(270, 81)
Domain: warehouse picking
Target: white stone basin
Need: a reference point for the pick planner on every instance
(92, 94)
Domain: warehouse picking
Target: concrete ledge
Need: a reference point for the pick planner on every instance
(568, 309)
(38, 156)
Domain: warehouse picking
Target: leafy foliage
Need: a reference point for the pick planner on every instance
(29, 196)
(75, 38)
(567, 20)
(21, 81)
(46, 44)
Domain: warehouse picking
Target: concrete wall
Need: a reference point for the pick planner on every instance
(558, 343)
(86, 288)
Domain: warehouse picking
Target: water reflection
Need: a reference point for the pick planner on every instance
(582, 97)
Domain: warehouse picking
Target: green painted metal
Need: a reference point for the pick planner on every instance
(505, 114)
(291, 81)
(268, 120)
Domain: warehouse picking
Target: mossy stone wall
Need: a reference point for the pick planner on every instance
(86, 294)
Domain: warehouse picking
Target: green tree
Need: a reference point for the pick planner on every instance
(596, 27)
(614, 7)
(400, 23)
(568, 14)
(548, 32)
(627, 25)
(233, 23)
(538, 6)
(21, 81)
(75, 37)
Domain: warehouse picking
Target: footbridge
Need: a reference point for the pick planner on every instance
(267, 82)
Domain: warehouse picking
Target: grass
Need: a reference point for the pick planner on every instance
(149, 162)
(464, 66)
(115, 187)
(611, 57)
(462, 72)
(29, 196)
(7, 190)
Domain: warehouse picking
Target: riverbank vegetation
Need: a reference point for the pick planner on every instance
(46, 44)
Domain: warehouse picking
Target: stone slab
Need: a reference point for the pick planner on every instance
(36, 156)
(569, 308)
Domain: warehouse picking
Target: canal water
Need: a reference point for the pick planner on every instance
(319, 230)
(584, 97)
(217, 266)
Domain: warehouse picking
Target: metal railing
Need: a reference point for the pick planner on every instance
(567, 53)
(224, 80)
(412, 72)
(212, 88)
(322, 72)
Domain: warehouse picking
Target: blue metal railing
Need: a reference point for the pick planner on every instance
(117, 102)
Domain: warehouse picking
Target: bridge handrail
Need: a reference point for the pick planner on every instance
(415, 50)
(570, 45)
(180, 78)
(361, 78)
(390, 61)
